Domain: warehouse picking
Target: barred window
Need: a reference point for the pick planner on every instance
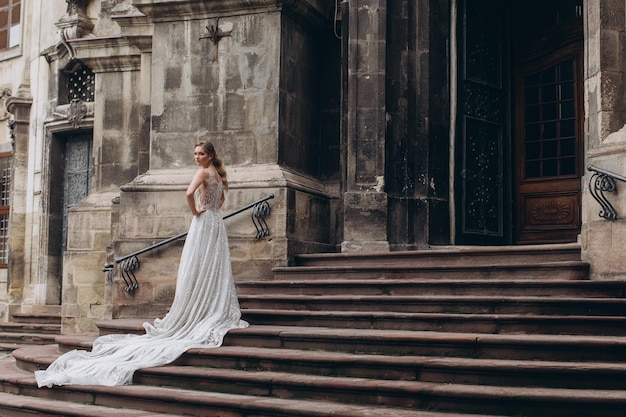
(6, 164)
(80, 85)
(10, 23)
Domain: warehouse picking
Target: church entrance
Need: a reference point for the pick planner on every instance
(518, 147)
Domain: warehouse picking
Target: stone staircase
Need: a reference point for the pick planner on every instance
(449, 332)
(34, 328)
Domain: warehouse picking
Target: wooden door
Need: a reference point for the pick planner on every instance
(548, 144)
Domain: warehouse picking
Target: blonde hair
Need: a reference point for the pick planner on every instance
(217, 162)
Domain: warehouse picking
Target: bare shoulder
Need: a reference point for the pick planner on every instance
(212, 173)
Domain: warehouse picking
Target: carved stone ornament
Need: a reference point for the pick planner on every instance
(4, 94)
(76, 7)
(11, 124)
(75, 23)
(75, 112)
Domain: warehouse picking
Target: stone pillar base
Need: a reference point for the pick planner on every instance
(365, 222)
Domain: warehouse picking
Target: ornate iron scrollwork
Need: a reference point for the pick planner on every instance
(598, 184)
(127, 267)
(259, 212)
(601, 181)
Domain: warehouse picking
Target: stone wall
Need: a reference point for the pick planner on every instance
(86, 297)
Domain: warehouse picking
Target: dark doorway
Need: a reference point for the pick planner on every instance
(519, 139)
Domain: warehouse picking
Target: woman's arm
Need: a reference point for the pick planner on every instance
(198, 179)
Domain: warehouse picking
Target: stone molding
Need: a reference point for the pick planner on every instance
(137, 28)
(108, 54)
(15, 103)
(247, 177)
(105, 54)
(165, 10)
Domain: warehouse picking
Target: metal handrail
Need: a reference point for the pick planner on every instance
(130, 262)
(601, 181)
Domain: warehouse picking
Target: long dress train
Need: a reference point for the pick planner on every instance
(204, 309)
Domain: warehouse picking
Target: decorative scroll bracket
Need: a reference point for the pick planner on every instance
(598, 184)
(259, 212)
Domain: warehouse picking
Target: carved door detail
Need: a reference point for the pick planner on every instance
(549, 147)
(77, 174)
(482, 180)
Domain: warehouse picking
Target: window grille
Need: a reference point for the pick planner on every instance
(6, 168)
(10, 23)
(80, 85)
(550, 122)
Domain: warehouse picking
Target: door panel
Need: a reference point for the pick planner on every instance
(482, 168)
(77, 175)
(549, 147)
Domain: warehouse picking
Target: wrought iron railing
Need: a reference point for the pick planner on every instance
(604, 181)
(130, 262)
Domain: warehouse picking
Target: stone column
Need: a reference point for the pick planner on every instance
(365, 199)
(19, 106)
(604, 241)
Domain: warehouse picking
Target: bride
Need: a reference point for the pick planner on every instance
(205, 305)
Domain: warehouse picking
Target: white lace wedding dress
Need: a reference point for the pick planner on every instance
(205, 308)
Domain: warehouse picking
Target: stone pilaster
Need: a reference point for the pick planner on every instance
(603, 241)
(365, 199)
(19, 106)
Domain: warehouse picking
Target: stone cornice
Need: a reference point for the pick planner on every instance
(239, 177)
(15, 103)
(137, 28)
(107, 54)
(167, 10)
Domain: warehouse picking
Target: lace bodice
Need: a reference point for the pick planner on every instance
(210, 199)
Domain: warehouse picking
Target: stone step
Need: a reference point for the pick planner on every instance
(188, 384)
(502, 287)
(450, 370)
(25, 406)
(483, 255)
(179, 402)
(6, 349)
(569, 348)
(26, 338)
(44, 317)
(572, 270)
(12, 327)
(453, 304)
(442, 322)
(373, 392)
(480, 371)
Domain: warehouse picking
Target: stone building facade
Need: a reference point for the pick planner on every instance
(378, 125)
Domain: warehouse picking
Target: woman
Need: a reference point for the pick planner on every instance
(205, 305)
